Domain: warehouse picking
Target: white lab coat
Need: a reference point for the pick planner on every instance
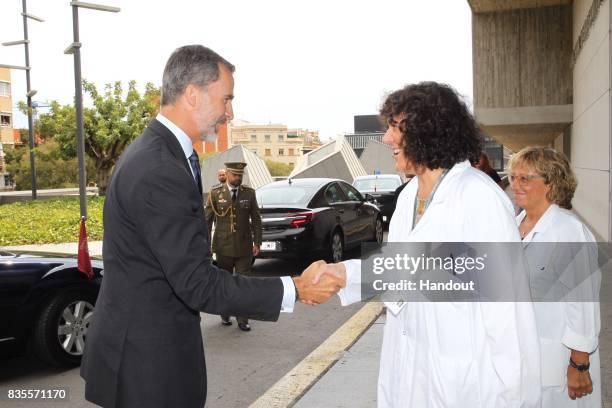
(460, 354)
(563, 325)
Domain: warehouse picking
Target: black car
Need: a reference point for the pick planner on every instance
(381, 188)
(315, 218)
(46, 305)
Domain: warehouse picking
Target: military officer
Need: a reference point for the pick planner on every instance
(237, 238)
(221, 176)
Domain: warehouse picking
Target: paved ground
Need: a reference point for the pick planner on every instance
(95, 248)
(351, 382)
(7, 197)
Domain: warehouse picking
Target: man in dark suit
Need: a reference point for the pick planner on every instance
(144, 347)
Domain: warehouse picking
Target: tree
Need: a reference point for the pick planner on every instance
(278, 169)
(52, 170)
(109, 126)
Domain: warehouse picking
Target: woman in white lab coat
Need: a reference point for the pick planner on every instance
(544, 184)
(453, 354)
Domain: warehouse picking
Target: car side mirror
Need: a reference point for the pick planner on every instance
(369, 198)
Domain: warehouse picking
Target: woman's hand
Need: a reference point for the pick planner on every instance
(579, 383)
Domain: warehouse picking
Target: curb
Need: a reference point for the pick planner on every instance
(69, 248)
(289, 389)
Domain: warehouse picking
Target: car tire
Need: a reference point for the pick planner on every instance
(60, 331)
(378, 231)
(336, 252)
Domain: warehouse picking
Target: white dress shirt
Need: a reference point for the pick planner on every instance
(187, 146)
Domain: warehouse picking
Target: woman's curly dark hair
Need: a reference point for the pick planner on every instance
(437, 129)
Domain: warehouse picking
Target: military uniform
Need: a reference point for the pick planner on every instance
(237, 228)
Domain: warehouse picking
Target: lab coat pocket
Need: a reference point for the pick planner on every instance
(554, 358)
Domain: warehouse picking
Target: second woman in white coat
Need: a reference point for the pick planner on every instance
(568, 326)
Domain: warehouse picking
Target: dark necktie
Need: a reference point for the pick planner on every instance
(233, 195)
(194, 161)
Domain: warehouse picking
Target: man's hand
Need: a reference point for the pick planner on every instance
(255, 250)
(315, 287)
(335, 269)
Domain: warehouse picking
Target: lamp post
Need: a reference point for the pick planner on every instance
(75, 49)
(30, 92)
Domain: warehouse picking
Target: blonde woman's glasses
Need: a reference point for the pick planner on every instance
(523, 180)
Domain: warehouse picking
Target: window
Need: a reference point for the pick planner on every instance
(285, 194)
(333, 194)
(291, 152)
(268, 152)
(377, 183)
(281, 152)
(351, 192)
(281, 138)
(5, 88)
(253, 138)
(267, 138)
(5, 120)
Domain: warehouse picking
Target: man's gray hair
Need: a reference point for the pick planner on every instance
(191, 64)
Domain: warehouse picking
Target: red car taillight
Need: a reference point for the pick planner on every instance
(300, 219)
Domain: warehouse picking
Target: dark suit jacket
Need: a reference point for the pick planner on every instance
(144, 347)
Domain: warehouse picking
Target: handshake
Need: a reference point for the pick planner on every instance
(319, 282)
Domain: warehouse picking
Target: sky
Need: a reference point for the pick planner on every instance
(308, 64)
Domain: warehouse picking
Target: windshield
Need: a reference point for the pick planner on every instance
(376, 184)
(285, 195)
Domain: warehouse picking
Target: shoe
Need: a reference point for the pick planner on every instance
(226, 322)
(244, 326)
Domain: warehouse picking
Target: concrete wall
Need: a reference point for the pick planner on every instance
(521, 57)
(590, 141)
(378, 156)
(336, 159)
(522, 71)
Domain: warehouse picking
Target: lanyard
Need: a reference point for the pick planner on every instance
(429, 199)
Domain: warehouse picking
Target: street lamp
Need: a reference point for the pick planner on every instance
(75, 49)
(30, 92)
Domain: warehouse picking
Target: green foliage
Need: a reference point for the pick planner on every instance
(109, 126)
(52, 169)
(278, 169)
(49, 221)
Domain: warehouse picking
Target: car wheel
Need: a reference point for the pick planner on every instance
(378, 231)
(60, 331)
(337, 247)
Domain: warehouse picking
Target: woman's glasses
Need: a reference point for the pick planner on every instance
(523, 180)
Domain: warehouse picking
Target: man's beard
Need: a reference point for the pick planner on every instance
(210, 134)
